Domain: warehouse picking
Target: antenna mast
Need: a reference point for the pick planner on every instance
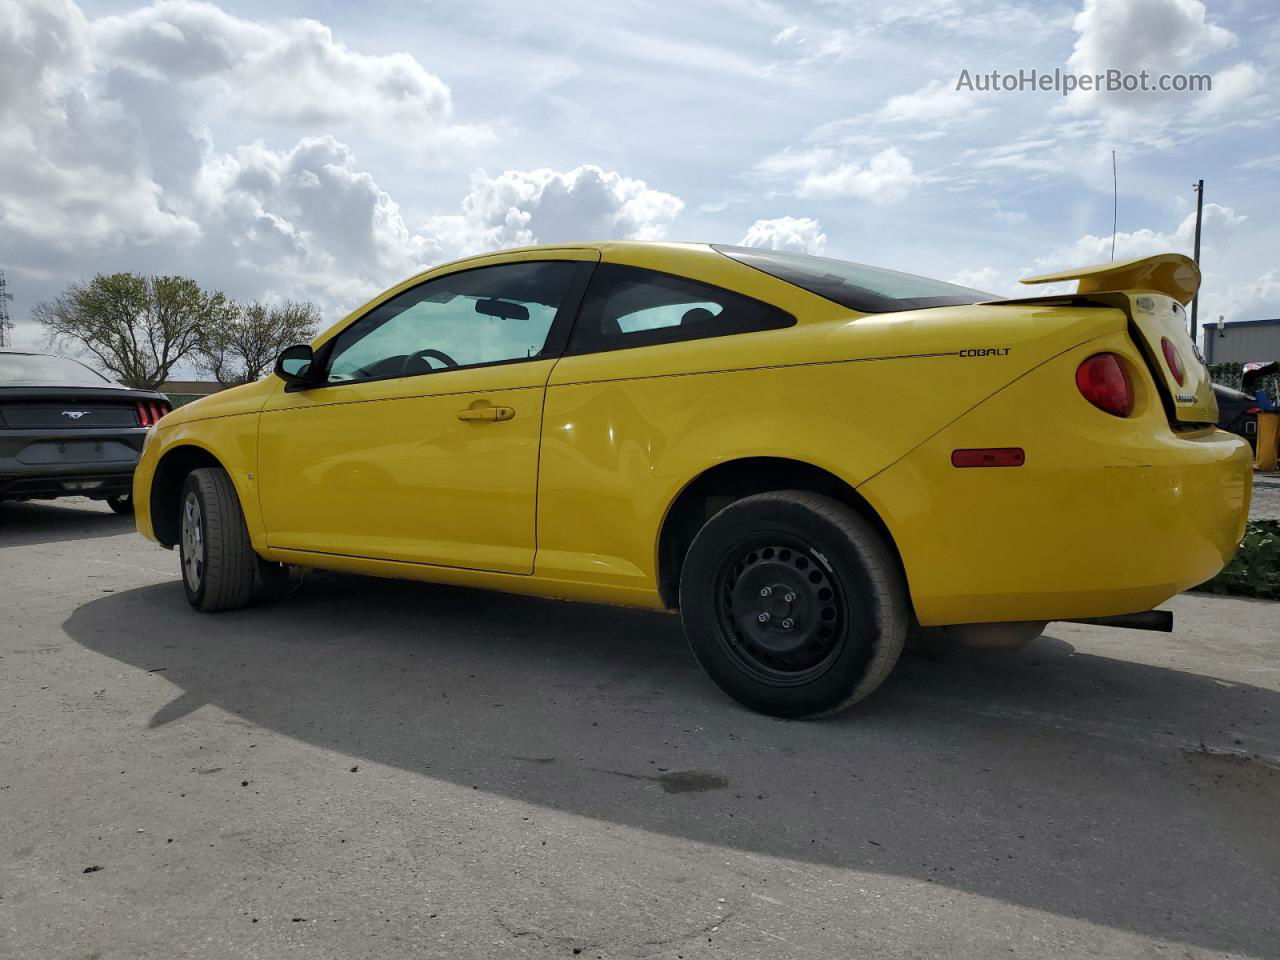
(1115, 203)
(1195, 301)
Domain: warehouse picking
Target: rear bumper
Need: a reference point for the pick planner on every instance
(42, 464)
(1106, 517)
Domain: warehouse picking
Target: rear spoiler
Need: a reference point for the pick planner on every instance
(1172, 274)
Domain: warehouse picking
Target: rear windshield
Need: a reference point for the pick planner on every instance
(44, 368)
(855, 285)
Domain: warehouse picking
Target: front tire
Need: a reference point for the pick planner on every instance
(218, 561)
(793, 604)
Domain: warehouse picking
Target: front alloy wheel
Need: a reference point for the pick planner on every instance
(192, 550)
(218, 562)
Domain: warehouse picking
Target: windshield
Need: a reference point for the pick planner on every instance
(855, 285)
(44, 368)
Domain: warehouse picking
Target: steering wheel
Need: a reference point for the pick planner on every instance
(422, 356)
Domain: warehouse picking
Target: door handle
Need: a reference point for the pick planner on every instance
(486, 413)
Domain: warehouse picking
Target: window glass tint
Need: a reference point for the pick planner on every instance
(43, 368)
(476, 317)
(632, 307)
(854, 285)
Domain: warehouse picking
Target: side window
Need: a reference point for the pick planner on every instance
(472, 318)
(633, 307)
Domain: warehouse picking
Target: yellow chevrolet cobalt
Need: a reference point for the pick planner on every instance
(809, 459)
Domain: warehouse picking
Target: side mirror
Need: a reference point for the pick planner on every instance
(293, 366)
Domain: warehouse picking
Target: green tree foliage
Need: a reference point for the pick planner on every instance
(137, 327)
(243, 348)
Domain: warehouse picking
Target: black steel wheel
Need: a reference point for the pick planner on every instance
(782, 611)
(793, 603)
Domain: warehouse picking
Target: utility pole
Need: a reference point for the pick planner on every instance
(5, 325)
(1195, 301)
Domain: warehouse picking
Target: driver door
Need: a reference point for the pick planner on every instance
(419, 442)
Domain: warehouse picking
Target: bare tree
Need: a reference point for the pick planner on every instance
(137, 327)
(244, 347)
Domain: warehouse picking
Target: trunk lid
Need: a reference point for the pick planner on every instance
(1155, 290)
(34, 415)
(74, 408)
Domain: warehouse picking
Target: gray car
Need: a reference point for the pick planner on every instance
(67, 431)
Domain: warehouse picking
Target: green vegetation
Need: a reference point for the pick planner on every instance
(140, 328)
(1255, 570)
(137, 328)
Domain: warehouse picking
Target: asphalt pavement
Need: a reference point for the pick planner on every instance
(382, 769)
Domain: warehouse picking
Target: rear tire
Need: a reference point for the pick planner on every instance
(793, 604)
(218, 562)
(123, 504)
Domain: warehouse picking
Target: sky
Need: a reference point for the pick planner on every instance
(327, 150)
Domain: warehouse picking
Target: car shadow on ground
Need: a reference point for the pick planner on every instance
(24, 523)
(1117, 793)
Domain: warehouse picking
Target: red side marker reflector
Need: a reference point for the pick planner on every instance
(989, 457)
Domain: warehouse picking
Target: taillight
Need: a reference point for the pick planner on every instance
(150, 412)
(1103, 381)
(1174, 360)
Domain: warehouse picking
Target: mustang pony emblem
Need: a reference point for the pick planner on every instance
(75, 414)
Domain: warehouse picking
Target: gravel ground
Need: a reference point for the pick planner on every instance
(382, 769)
(1266, 497)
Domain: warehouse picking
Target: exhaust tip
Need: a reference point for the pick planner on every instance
(1161, 621)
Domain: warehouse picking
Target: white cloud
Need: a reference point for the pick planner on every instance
(887, 178)
(1223, 231)
(935, 103)
(1256, 300)
(812, 46)
(1266, 162)
(1151, 34)
(789, 161)
(71, 175)
(1090, 249)
(225, 58)
(798, 234)
(544, 206)
(1011, 216)
(985, 278)
(1160, 37)
(105, 163)
(1231, 86)
(305, 221)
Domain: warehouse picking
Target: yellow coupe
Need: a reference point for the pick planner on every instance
(808, 458)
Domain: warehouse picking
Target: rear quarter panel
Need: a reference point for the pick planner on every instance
(1107, 516)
